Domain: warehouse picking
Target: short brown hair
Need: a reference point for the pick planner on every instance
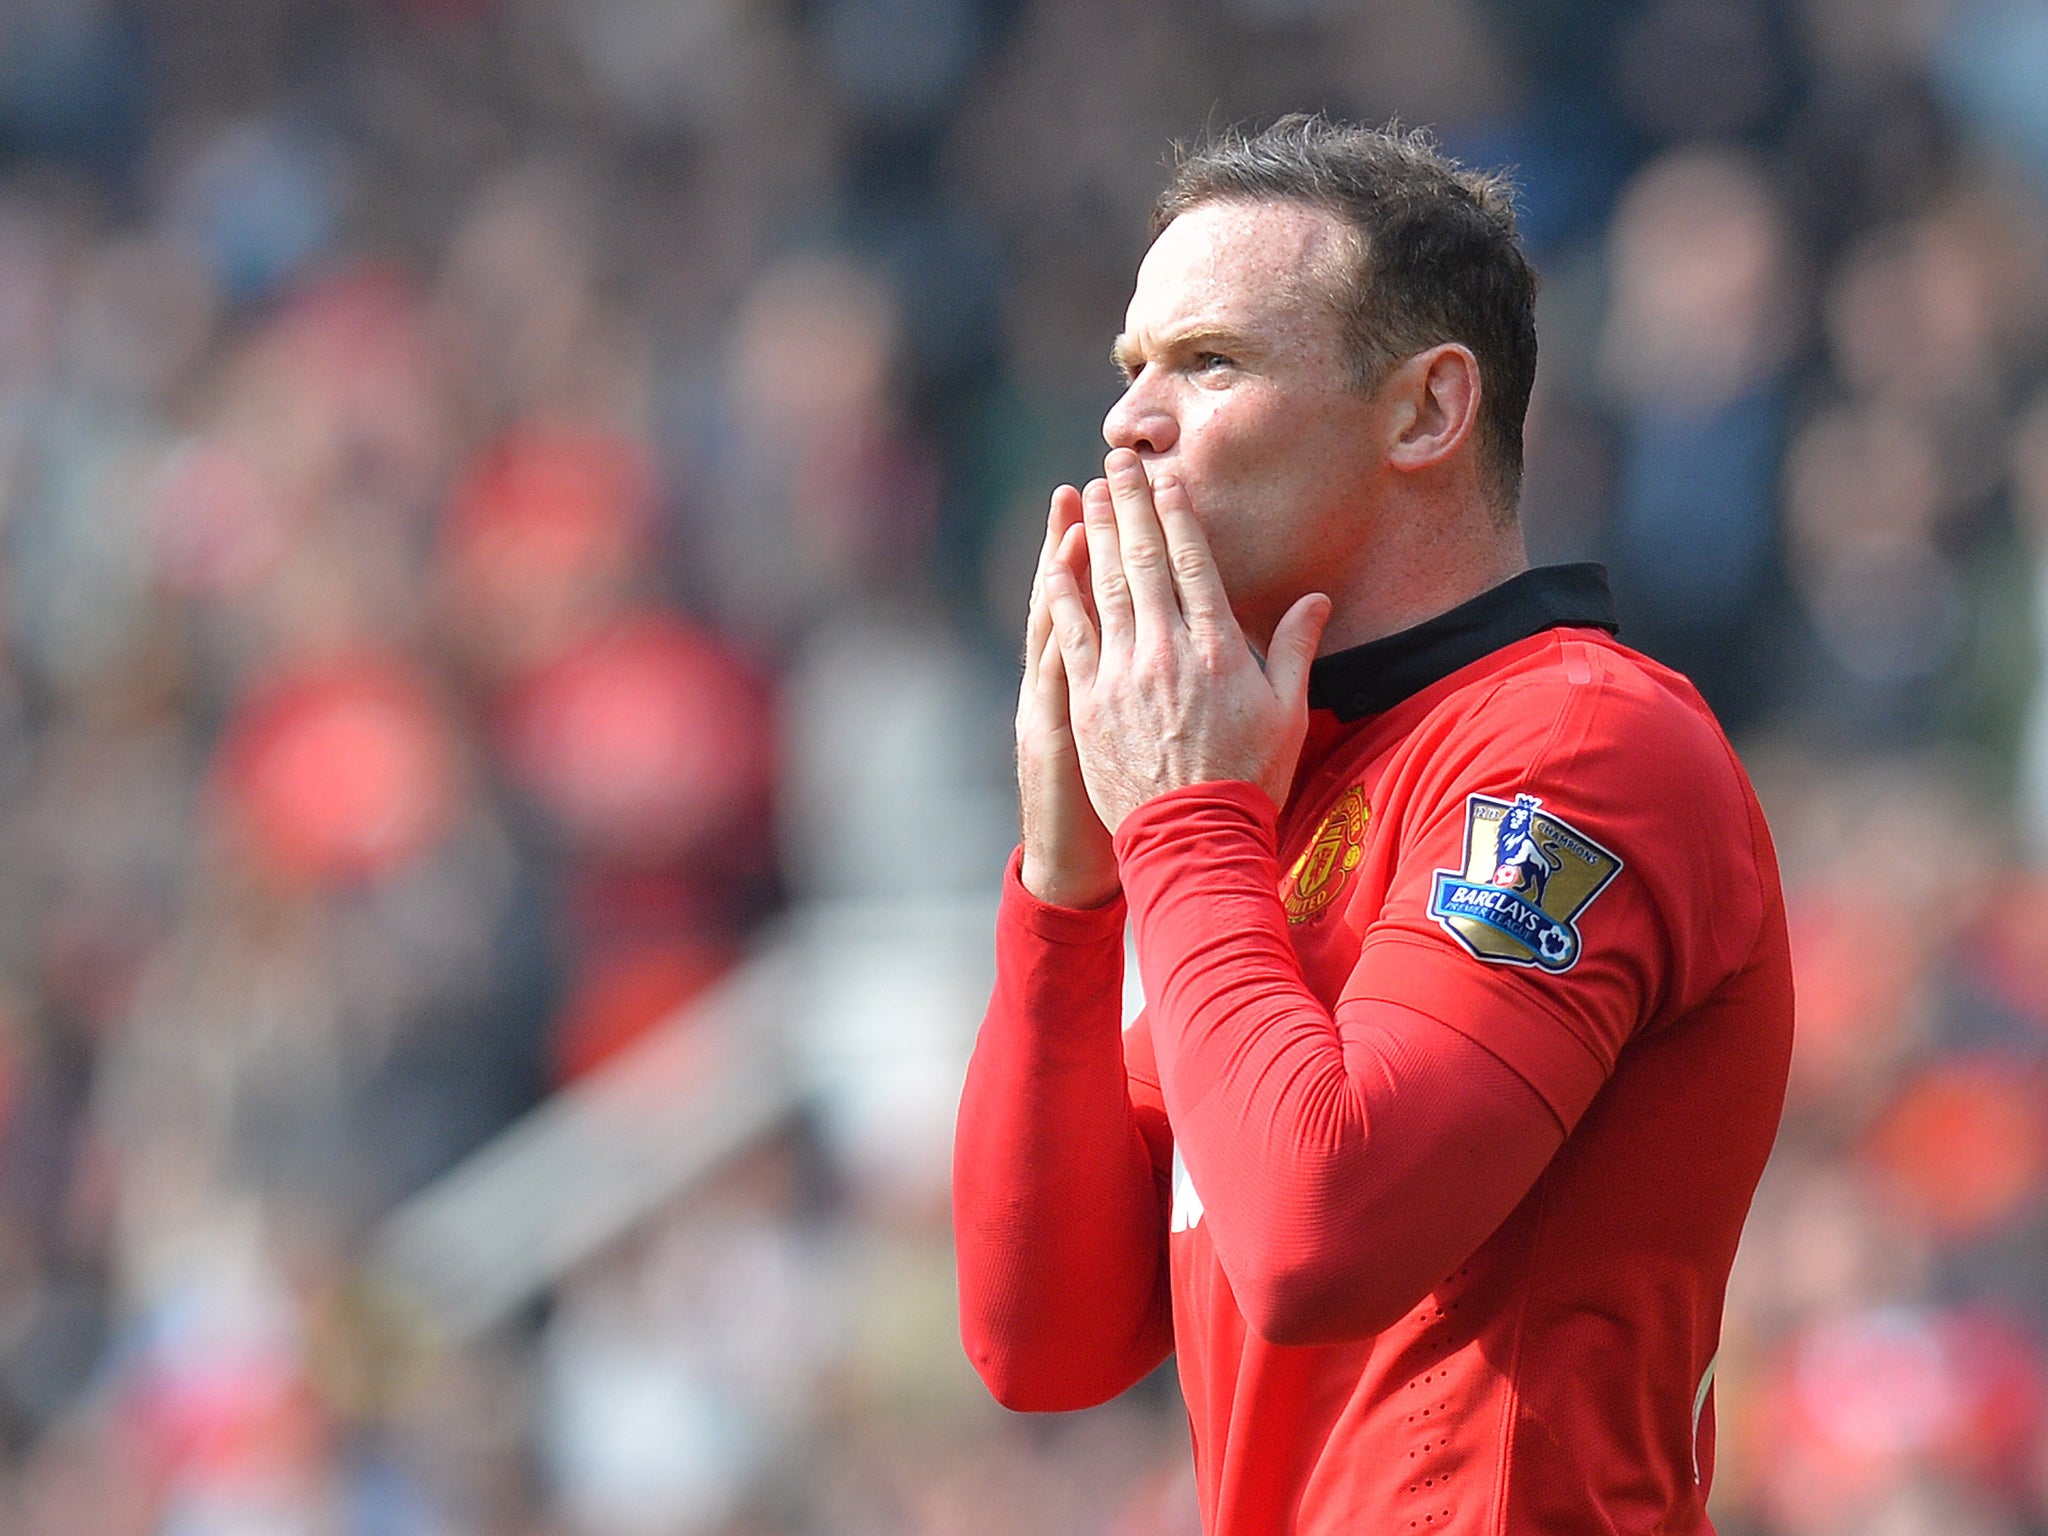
(1439, 259)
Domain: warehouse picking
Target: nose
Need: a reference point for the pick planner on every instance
(1140, 420)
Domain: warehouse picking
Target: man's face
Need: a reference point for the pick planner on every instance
(1240, 385)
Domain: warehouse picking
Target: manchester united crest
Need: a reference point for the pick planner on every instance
(1527, 877)
(1336, 850)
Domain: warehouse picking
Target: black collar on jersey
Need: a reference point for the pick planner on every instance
(1381, 673)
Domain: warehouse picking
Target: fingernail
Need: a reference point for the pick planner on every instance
(1166, 481)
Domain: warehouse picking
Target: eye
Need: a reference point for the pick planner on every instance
(1209, 362)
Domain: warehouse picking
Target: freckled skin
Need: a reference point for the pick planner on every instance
(1239, 386)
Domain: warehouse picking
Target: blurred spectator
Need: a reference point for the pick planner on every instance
(1702, 329)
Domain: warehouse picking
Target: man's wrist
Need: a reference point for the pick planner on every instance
(1062, 888)
(1053, 924)
(1225, 813)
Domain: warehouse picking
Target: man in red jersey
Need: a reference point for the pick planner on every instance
(1468, 999)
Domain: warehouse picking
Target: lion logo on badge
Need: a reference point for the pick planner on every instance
(1337, 849)
(1527, 876)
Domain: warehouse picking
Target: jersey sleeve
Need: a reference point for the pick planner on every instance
(1573, 864)
(1564, 867)
(1347, 1161)
(1059, 1192)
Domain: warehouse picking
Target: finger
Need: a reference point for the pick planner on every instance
(1065, 516)
(1140, 540)
(1197, 585)
(1073, 554)
(1106, 579)
(1062, 518)
(1295, 639)
(1073, 630)
(1042, 706)
(1052, 680)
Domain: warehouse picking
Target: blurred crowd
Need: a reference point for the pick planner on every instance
(505, 505)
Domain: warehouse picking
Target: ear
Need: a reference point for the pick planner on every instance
(1436, 394)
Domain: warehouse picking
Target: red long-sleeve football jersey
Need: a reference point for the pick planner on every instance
(1430, 1151)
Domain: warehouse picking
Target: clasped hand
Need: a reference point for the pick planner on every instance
(1138, 679)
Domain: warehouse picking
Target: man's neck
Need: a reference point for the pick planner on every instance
(1438, 566)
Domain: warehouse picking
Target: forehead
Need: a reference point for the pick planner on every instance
(1239, 263)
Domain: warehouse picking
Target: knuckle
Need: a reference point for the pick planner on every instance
(1146, 557)
(1190, 564)
(1155, 660)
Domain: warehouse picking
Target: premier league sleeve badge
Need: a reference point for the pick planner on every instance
(1526, 878)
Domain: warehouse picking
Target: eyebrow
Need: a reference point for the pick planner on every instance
(1123, 351)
